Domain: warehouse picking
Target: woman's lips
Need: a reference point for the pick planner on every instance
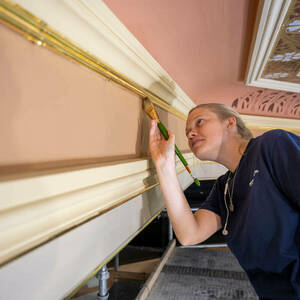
(196, 142)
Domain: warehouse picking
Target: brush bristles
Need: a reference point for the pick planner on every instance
(149, 109)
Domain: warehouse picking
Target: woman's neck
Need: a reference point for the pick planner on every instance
(232, 154)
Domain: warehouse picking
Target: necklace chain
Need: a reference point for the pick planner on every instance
(230, 194)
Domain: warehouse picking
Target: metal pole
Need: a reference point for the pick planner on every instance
(170, 231)
(102, 276)
(117, 263)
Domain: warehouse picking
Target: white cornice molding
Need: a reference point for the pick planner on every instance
(94, 28)
(272, 16)
(38, 209)
(276, 85)
(271, 123)
(34, 210)
(60, 267)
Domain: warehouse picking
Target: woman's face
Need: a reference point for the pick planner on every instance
(205, 133)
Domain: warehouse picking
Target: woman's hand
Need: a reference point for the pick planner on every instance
(161, 150)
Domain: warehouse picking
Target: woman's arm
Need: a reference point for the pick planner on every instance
(189, 228)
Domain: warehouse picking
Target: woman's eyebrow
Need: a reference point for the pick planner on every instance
(197, 117)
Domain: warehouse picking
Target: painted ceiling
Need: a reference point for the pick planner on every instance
(204, 46)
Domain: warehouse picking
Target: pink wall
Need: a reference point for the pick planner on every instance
(205, 47)
(53, 109)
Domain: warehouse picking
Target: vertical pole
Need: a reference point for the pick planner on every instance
(102, 276)
(117, 262)
(170, 231)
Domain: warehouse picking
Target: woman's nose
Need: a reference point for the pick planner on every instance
(191, 134)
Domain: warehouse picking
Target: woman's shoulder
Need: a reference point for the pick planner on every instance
(271, 136)
(273, 143)
(278, 135)
(274, 133)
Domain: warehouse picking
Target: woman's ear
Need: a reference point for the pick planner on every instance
(231, 122)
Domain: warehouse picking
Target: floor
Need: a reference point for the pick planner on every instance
(191, 274)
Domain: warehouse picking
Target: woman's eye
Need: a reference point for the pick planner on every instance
(199, 121)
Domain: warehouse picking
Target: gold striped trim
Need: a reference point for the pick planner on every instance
(37, 31)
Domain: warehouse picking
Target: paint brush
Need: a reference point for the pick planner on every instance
(150, 111)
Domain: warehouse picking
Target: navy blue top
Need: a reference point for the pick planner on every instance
(264, 228)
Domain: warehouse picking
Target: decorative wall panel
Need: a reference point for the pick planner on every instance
(269, 102)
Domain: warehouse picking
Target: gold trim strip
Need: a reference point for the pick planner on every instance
(37, 31)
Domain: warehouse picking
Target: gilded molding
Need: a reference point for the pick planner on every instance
(38, 32)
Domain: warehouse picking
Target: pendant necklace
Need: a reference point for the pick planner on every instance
(230, 194)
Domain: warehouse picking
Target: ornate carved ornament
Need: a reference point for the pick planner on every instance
(269, 102)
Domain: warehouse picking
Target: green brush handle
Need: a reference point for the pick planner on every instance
(164, 132)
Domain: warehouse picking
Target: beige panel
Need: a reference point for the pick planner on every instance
(178, 126)
(53, 109)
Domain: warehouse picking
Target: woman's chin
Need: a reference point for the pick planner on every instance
(202, 155)
(199, 154)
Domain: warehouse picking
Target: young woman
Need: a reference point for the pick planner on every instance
(256, 203)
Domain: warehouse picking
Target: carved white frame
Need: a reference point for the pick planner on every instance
(272, 16)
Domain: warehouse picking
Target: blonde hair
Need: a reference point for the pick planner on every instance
(223, 112)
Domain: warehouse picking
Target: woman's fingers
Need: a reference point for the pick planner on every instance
(156, 136)
(154, 131)
(171, 136)
(161, 150)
